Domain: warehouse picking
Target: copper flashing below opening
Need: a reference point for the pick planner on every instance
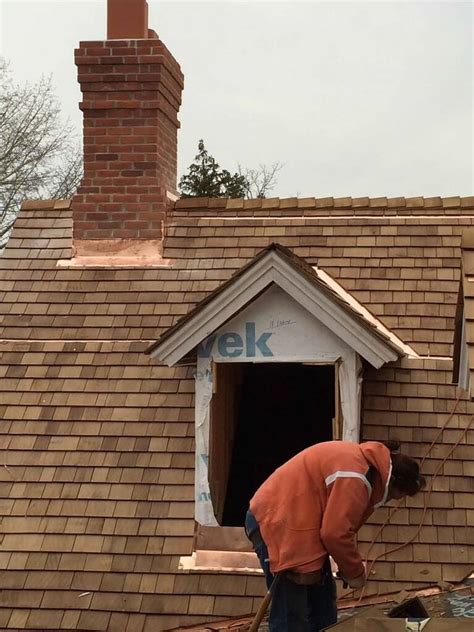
(234, 562)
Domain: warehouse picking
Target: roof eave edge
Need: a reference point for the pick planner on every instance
(232, 299)
(364, 342)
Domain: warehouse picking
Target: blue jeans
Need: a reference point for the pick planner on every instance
(294, 607)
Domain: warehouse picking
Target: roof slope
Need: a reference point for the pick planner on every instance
(403, 268)
(97, 439)
(399, 258)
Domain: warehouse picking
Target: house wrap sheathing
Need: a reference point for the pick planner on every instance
(99, 486)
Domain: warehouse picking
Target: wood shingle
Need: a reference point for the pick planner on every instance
(97, 439)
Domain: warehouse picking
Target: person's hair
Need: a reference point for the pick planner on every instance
(405, 471)
(393, 445)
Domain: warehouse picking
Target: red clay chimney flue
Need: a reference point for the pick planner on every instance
(127, 19)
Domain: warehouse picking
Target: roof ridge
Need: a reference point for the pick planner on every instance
(45, 205)
(325, 202)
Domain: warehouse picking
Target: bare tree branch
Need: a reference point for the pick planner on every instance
(39, 153)
(262, 180)
(68, 175)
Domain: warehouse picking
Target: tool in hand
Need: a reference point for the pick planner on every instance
(265, 603)
(344, 582)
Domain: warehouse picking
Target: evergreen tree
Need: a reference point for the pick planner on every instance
(205, 178)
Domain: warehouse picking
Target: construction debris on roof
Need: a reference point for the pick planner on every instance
(446, 610)
(442, 612)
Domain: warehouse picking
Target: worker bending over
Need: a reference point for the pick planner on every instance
(312, 507)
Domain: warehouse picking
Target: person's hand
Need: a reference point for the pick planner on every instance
(357, 582)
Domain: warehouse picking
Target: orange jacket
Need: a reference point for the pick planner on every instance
(316, 502)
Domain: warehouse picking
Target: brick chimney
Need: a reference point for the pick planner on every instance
(131, 86)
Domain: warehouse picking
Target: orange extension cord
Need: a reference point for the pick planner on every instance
(425, 504)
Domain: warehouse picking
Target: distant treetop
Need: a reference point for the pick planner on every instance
(205, 178)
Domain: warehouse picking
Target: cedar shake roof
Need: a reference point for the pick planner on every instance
(97, 438)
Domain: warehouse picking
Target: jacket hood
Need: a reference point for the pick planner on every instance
(378, 455)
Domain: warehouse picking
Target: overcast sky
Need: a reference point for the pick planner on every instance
(354, 98)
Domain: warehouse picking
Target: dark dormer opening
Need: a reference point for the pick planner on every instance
(262, 415)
